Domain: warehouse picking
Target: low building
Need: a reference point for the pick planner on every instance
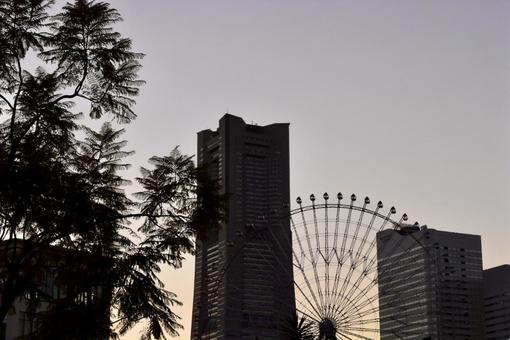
(57, 294)
(496, 287)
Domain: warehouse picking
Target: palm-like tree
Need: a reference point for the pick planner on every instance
(298, 328)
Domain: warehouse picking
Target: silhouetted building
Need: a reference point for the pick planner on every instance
(51, 294)
(430, 284)
(243, 281)
(496, 283)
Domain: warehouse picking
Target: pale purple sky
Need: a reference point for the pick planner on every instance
(407, 102)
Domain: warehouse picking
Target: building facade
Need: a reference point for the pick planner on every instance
(496, 284)
(243, 278)
(430, 284)
(56, 299)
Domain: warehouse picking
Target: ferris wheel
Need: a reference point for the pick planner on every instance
(335, 271)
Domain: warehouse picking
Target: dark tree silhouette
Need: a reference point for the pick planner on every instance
(298, 328)
(62, 199)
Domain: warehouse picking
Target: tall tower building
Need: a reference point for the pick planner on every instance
(430, 284)
(496, 288)
(243, 281)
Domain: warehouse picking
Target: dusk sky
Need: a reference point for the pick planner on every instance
(403, 101)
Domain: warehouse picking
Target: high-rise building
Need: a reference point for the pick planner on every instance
(243, 280)
(496, 288)
(430, 284)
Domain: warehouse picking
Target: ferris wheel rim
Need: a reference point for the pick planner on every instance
(369, 317)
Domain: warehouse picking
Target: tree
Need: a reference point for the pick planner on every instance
(298, 328)
(61, 190)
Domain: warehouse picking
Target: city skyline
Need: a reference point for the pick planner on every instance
(403, 102)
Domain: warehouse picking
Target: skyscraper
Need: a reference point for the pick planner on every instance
(243, 281)
(496, 282)
(430, 284)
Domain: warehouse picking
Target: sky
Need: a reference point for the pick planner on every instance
(402, 101)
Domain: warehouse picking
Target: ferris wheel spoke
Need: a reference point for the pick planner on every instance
(307, 236)
(353, 307)
(366, 289)
(365, 235)
(363, 275)
(360, 314)
(286, 248)
(336, 283)
(401, 256)
(338, 269)
(343, 336)
(309, 313)
(341, 294)
(326, 254)
(361, 294)
(346, 281)
(343, 315)
(300, 267)
(298, 239)
(373, 242)
(317, 305)
(362, 322)
(371, 285)
(326, 232)
(323, 254)
(312, 305)
(346, 231)
(402, 260)
(359, 311)
(361, 329)
(334, 293)
(284, 268)
(314, 259)
(341, 258)
(356, 336)
(395, 247)
(397, 244)
(358, 226)
(345, 302)
(316, 226)
(337, 222)
(358, 290)
(319, 289)
(326, 287)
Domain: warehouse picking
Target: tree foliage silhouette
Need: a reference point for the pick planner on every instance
(298, 328)
(62, 198)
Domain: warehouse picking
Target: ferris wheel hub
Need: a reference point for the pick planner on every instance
(327, 329)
